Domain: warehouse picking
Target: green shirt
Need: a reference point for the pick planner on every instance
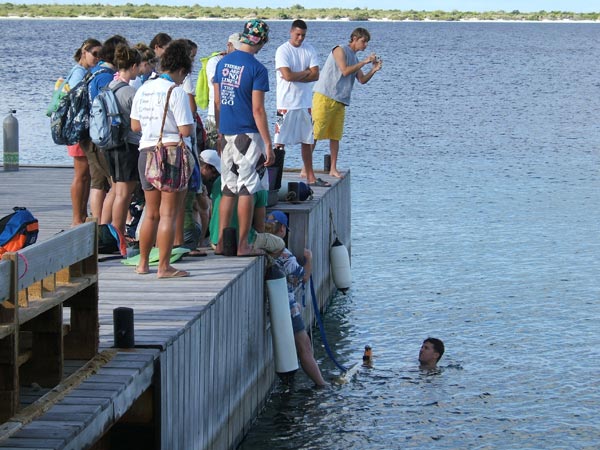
(260, 200)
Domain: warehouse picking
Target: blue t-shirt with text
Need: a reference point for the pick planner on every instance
(238, 74)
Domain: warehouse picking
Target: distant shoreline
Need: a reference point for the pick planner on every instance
(343, 19)
(204, 13)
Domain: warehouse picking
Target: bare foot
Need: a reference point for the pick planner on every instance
(142, 270)
(302, 174)
(335, 173)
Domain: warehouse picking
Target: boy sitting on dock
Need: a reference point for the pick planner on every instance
(277, 224)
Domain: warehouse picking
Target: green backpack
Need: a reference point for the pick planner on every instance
(202, 83)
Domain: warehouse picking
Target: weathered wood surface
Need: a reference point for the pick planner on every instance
(4, 280)
(7, 315)
(212, 330)
(40, 283)
(79, 419)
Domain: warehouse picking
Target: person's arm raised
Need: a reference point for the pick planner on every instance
(340, 60)
(364, 78)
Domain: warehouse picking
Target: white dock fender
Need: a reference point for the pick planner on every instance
(340, 265)
(284, 347)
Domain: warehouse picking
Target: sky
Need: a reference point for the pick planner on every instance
(419, 5)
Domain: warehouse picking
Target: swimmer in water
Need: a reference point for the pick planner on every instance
(431, 352)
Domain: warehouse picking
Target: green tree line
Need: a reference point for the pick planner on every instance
(147, 11)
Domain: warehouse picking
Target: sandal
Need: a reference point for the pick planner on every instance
(320, 183)
(176, 274)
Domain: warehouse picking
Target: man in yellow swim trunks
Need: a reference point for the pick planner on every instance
(333, 90)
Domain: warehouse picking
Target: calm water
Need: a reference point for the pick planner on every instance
(474, 158)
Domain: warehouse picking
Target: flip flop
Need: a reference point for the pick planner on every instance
(141, 272)
(197, 253)
(109, 258)
(320, 183)
(176, 274)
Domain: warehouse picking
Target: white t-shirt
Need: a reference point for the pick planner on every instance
(187, 85)
(148, 108)
(294, 94)
(211, 68)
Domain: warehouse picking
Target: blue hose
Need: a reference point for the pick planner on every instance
(322, 328)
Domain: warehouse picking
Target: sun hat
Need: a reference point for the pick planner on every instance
(279, 217)
(211, 157)
(255, 32)
(235, 40)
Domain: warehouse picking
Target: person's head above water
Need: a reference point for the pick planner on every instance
(431, 351)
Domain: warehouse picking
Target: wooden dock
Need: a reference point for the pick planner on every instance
(202, 365)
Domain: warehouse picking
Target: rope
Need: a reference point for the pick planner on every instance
(335, 235)
(322, 328)
(303, 294)
(26, 265)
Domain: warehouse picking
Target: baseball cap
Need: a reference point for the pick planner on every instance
(235, 40)
(211, 157)
(277, 216)
(255, 32)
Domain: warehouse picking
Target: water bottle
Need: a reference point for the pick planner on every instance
(368, 356)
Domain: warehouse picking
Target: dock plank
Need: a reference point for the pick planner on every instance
(198, 329)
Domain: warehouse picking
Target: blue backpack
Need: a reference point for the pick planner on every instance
(107, 127)
(70, 123)
(17, 230)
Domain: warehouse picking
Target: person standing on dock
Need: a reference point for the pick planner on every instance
(295, 273)
(157, 119)
(101, 194)
(297, 67)
(240, 84)
(233, 43)
(158, 44)
(333, 90)
(122, 160)
(431, 352)
(86, 56)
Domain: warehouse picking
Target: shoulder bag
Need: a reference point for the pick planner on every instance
(169, 167)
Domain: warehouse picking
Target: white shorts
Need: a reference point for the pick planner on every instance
(243, 170)
(294, 127)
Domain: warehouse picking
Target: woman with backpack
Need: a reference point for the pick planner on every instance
(103, 73)
(122, 160)
(86, 57)
(147, 113)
